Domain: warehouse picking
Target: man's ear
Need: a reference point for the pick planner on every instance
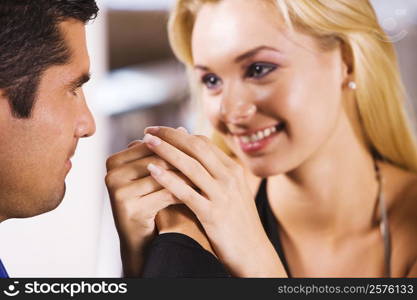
(4, 101)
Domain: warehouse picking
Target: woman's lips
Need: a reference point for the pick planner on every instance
(259, 139)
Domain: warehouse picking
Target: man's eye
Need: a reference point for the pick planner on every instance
(75, 91)
(259, 70)
(211, 81)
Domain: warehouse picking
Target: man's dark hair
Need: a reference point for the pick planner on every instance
(30, 43)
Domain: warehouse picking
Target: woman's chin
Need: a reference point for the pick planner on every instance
(263, 168)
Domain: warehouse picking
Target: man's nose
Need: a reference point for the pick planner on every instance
(86, 125)
(236, 105)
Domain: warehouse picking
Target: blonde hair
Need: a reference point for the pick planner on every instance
(380, 94)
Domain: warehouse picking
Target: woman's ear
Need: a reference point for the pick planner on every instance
(347, 58)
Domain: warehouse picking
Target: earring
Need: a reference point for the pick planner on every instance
(352, 85)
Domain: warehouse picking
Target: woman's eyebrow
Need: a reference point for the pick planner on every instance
(254, 51)
(243, 56)
(203, 68)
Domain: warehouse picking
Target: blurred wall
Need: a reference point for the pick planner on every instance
(136, 37)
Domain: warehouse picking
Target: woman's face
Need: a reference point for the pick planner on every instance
(275, 96)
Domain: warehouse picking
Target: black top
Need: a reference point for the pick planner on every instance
(178, 255)
(270, 224)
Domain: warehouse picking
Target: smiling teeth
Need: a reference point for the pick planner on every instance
(259, 135)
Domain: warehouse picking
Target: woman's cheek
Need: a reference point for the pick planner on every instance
(313, 119)
(211, 108)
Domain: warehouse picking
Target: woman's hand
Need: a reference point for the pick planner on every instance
(136, 199)
(223, 203)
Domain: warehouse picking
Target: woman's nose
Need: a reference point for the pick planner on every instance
(235, 108)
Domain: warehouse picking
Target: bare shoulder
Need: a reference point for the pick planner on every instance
(400, 188)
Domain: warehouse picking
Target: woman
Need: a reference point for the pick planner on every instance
(306, 98)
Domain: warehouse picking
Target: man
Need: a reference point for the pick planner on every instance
(43, 113)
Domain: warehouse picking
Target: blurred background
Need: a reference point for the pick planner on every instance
(136, 83)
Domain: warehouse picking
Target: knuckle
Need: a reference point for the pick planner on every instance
(144, 212)
(164, 132)
(237, 169)
(168, 198)
(198, 144)
(111, 162)
(189, 194)
(119, 195)
(229, 185)
(229, 182)
(159, 162)
(203, 138)
(109, 179)
(195, 166)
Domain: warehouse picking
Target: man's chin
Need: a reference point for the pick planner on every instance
(51, 202)
(32, 204)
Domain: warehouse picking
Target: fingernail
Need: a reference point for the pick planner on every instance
(155, 170)
(183, 129)
(152, 129)
(151, 140)
(133, 143)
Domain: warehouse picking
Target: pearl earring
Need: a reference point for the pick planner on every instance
(352, 85)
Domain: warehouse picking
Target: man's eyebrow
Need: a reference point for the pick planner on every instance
(242, 56)
(78, 82)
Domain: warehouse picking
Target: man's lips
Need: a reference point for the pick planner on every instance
(68, 164)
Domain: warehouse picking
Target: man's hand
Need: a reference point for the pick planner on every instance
(136, 198)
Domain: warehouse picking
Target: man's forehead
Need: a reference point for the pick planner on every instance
(73, 33)
(76, 69)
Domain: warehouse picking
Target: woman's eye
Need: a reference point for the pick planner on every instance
(259, 70)
(211, 81)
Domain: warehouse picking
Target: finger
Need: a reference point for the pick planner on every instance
(136, 151)
(198, 147)
(138, 188)
(227, 160)
(134, 170)
(135, 142)
(181, 190)
(143, 187)
(183, 129)
(148, 206)
(188, 165)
